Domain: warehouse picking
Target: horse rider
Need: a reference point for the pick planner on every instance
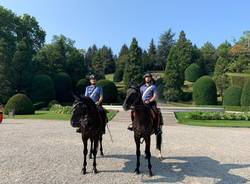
(149, 96)
(96, 94)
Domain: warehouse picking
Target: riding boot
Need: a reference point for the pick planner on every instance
(158, 130)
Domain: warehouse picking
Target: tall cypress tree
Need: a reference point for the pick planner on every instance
(165, 44)
(152, 56)
(120, 65)
(98, 65)
(108, 59)
(209, 56)
(133, 69)
(184, 53)
(172, 77)
(89, 57)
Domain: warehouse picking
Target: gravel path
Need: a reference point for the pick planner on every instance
(39, 151)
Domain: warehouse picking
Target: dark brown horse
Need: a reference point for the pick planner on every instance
(143, 124)
(86, 113)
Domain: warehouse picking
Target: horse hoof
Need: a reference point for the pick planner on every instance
(160, 158)
(137, 171)
(102, 154)
(95, 171)
(150, 173)
(90, 157)
(84, 171)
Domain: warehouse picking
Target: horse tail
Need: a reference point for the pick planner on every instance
(158, 141)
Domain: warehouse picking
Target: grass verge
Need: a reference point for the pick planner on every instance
(55, 116)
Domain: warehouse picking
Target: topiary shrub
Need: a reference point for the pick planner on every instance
(192, 73)
(109, 90)
(245, 97)
(204, 91)
(118, 75)
(42, 89)
(63, 87)
(52, 102)
(232, 96)
(81, 86)
(21, 104)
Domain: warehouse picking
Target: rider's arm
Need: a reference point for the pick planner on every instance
(154, 97)
(86, 91)
(101, 97)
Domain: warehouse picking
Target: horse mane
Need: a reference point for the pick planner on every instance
(90, 103)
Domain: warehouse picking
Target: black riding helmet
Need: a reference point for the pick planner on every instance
(92, 76)
(147, 75)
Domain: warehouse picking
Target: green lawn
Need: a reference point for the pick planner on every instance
(183, 119)
(239, 74)
(54, 116)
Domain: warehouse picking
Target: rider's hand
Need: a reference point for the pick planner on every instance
(97, 103)
(147, 102)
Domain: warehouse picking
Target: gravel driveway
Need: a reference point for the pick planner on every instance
(42, 151)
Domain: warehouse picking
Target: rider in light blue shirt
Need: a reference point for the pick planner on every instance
(94, 92)
(149, 95)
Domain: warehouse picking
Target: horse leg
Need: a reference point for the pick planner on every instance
(158, 145)
(85, 152)
(91, 149)
(101, 149)
(94, 153)
(138, 153)
(148, 154)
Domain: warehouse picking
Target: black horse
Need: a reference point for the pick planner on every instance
(143, 123)
(86, 113)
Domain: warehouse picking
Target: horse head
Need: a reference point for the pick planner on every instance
(133, 96)
(80, 110)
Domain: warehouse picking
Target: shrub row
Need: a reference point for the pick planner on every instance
(218, 116)
(61, 109)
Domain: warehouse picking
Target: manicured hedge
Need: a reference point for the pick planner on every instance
(217, 116)
(232, 96)
(21, 104)
(81, 86)
(245, 97)
(109, 90)
(63, 87)
(204, 91)
(61, 109)
(192, 73)
(42, 89)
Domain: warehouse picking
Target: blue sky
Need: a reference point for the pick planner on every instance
(114, 22)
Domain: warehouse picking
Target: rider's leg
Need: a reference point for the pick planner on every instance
(158, 121)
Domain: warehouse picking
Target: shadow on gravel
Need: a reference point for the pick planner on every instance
(175, 169)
